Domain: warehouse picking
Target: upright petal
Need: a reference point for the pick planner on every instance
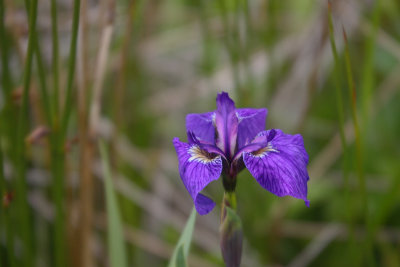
(202, 125)
(226, 124)
(251, 122)
(197, 169)
(281, 166)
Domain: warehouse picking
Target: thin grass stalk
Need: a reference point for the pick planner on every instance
(339, 97)
(57, 190)
(5, 215)
(42, 80)
(21, 192)
(86, 193)
(6, 83)
(368, 77)
(358, 142)
(78, 242)
(58, 154)
(340, 111)
(5, 77)
(41, 73)
(55, 57)
(118, 108)
(121, 80)
(71, 68)
(57, 164)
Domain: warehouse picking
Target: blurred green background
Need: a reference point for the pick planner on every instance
(128, 72)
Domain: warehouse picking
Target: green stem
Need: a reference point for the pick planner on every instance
(55, 56)
(41, 72)
(57, 167)
(71, 68)
(42, 81)
(359, 152)
(5, 77)
(58, 139)
(368, 77)
(230, 199)
(349, 211)
(4, 215)
(21, 193)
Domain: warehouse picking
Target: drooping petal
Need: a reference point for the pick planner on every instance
(251, 122)
(197, 169)
(281, 166)
(226, 124)
(201, 124)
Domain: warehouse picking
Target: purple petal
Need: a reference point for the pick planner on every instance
(201, 124)
(251, 122)
(280, 167)
(197, 169)
(226, 123)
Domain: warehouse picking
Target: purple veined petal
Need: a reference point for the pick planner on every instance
(197, 169)
(202, 125)
(226, 124)
(281, 166)
(251, 122)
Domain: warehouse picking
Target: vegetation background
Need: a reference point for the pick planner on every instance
(74, 73)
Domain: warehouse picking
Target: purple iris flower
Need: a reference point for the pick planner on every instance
(224, 141)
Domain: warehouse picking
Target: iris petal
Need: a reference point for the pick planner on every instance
(197, 169)
(201, 124)
(281, 166)
(251, 122)
(226, 124)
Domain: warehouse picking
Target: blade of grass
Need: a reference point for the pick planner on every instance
(41, 72)
(54, 35)
(358, 141)
(5, 215)
(21, 192)
(116, 246)
(181, 251)
(58, 139)
(368, 77)
(71, 68)
(340, 110)
(6, 76)
(339, 97)
(6, 83)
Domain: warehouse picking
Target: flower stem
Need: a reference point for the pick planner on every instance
(231, 234)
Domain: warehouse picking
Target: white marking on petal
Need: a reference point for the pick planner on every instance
(199, 155)
(264, 151)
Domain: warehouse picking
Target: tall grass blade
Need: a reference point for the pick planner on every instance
(54, 35)
(368, 77)
(359, 152)
(21, 192)
(116, 246)
(71, 68)
(181, 251)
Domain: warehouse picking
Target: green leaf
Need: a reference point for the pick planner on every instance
(180, 257)
(116, 246)
(181, 251)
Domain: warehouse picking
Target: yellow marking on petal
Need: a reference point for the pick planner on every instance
(199, 155)
(264, 151)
